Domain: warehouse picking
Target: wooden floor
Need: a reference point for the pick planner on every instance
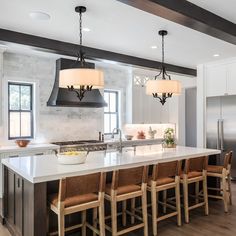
(216, 224)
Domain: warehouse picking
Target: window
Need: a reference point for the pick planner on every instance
(111, 112)
(20, 110)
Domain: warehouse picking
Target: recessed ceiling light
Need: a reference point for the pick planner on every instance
(86, 29)
(38, 15)
(216, 55)
(154, 47)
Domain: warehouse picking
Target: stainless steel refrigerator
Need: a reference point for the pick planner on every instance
(221, 126)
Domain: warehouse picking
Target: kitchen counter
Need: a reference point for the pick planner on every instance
(45, 168)
(6, 149)
(29, 180)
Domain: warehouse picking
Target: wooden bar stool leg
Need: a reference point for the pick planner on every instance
(144, 210)
(101, 216)
(95, 215)
(205, 194)
(83, 223)
(164, 200)
(132, 210)
(61, 224)
(178, 204)
(225, 193)
(185, 188)
(230, 190)
(113, 214)
(154, 197)
(197, 192)
(124, 207)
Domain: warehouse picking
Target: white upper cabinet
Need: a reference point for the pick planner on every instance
(231, 79)
(221, 80)
(216, 81)
(146, 109)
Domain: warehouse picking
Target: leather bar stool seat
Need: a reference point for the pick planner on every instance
(123, 189)
(75, 200)
(215, 169)
(191, 174)
(161, 181)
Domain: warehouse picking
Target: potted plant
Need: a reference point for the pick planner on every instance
(169, 138)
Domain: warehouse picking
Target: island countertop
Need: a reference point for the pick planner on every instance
(45, 168)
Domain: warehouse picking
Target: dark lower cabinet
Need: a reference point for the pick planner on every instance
(14, 208)
(24, 205)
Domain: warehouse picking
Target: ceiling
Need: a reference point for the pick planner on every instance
(120, 28)
(223, 8)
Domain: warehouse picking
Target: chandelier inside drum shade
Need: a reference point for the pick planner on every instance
(162, 87)
(80, 78)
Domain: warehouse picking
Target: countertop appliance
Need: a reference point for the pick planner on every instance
(221, 127)
(81, 145)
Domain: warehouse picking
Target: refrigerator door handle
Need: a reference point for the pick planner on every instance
(222, 135)
(218, 135)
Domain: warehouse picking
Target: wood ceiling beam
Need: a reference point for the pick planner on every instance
(69, 49)
(190, 15)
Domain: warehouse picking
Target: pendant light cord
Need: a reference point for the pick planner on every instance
(163, 52)
(81, 54)
(80, 30)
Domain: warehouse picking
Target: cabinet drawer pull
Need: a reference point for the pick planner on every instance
(14, 156)
(18, 182)
(39, 154)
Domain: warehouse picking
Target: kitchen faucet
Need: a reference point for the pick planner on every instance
(112, 136)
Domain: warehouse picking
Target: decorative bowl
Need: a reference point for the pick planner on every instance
(22, 142)
(129, 137)
(72, 158)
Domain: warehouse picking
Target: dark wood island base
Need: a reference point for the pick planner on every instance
(24, 205)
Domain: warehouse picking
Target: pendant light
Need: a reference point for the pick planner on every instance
(162, 87)
(80, 79)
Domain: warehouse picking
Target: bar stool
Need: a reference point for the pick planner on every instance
(224, 173)
(165, 176)
(78, 194)
(194, 172)
(127, 184)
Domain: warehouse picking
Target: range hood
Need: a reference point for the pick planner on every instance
(63, 98)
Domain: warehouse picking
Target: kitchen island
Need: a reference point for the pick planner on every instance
(29, 180)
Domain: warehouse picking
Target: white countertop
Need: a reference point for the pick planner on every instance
(38, 169)
(12, 148)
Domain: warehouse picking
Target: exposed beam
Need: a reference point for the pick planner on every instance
(190, 15)
(69, 49)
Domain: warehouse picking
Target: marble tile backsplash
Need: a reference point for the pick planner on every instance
(62, 123)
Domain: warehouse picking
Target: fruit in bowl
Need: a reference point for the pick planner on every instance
(72, 157)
